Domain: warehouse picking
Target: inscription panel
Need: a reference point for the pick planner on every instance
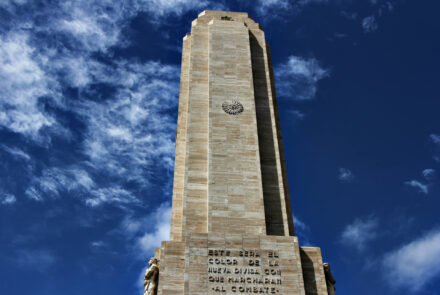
(236, 264)
(244, 271)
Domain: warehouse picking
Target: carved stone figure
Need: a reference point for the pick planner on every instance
(329, 280)
(151, 277)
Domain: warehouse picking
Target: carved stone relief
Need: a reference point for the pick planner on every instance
(151, 277)
(232, 107)
(329, 280)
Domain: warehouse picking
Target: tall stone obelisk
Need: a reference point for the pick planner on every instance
(231, 226)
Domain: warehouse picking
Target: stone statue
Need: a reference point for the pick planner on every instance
(329, 280)
(151, 277)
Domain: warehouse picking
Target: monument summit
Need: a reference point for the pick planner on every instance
(232, 229)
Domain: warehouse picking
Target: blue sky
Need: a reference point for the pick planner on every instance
(88, 104)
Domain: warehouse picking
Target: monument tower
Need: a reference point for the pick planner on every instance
(231, 226)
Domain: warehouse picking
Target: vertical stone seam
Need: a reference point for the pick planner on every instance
(199, 63)
(188, 120)
(208, 96)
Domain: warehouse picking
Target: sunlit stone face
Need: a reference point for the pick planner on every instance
(231, 228)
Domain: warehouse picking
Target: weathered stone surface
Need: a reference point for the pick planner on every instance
(231, 227)
(230, 264)
(229, 173)
(313, 271)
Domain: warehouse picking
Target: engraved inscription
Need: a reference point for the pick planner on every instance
(244, 271)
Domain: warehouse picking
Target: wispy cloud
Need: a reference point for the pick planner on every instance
(429, 174)
(126, 133)
(38, 55)
(302, 230)
(7, 199)
(435, 139)
(23, 82)
(359, 233)
(134, 130)
(297, 114)
(162, 8)
(415, 264)
(97, 244)
(420, 187)
(264, 6)
(345, 175)
(55, 182)
(161, 230)
(276, 8)
(148, 232)
(16, 153)
(298, 78)
(369, 24)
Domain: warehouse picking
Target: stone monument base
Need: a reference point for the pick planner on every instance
(239, 264)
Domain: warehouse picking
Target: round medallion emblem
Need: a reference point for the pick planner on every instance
(232, 107)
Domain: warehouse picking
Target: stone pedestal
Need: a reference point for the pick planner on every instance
(239, 264)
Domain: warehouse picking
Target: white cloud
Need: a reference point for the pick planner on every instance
(345, 175)
(435, 138)
(55, 181)
(421, 187)
(359, 233)
(369, 24)
(23, 82)
(97, 244)
(16, 152)
(113, 194)
(127, 134)
(297, 114)
(415, 264)
(389, 6)
(148, 232)
(33, 194)
(10, 4)
(133, 131)
(95, 25)
(264, 5)
(163, 8)
(274, 8)
(302, 230)
(7, 199)
(32, 66)
(161, 230)
(298, 78)
(429, 174)
(299, 224)
(340, 35)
